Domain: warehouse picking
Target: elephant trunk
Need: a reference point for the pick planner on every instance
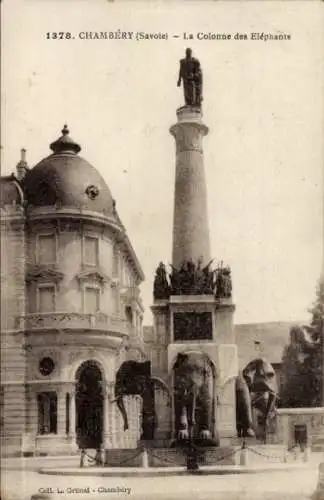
(192, 415)
(121, 406)
(243, 405)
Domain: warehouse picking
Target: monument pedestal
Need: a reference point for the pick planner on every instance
(201, 324)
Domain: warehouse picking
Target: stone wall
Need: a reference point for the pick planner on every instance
(13, 361)
(311, 418)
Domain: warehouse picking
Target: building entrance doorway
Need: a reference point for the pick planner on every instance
(89, 405)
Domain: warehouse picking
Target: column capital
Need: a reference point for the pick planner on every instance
(61, 391)
(70, 387)
(107, 389)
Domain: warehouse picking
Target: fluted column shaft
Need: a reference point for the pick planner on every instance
(190, 221)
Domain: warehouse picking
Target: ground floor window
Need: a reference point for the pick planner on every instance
(47, 413)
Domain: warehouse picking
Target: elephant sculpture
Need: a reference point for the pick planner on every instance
(134, 378)
(256, 388)
(193, 397)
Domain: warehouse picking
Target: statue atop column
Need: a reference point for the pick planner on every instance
(190, 74)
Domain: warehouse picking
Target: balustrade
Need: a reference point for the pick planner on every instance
(72, 321)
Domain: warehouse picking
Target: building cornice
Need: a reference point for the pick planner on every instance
(98, 339)
(126, 245)
(57, 213)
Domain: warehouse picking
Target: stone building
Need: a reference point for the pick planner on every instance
(71, 310)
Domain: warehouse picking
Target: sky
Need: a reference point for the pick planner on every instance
(263, 104)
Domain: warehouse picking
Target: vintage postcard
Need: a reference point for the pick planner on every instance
(162, 279)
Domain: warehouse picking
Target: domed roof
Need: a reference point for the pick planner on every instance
(65, 178)
(10, 192)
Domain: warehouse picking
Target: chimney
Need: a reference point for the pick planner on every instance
(22, 166)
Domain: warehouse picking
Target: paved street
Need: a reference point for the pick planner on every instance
(20, 481)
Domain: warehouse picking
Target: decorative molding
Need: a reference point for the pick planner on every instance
(92, 192)
(108, 389)
(129, 294)
(43, 274)
(74, 356)
(95, 274)
(35, 356)
(189, 138)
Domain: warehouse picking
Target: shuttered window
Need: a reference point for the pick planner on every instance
(92, 300)
(91, 251)
(47, 413)
(46, 249)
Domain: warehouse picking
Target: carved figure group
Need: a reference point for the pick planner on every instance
(192, 279)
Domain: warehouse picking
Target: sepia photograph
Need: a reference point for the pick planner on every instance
(162, 250)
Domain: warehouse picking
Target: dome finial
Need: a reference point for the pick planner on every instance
(65, 144)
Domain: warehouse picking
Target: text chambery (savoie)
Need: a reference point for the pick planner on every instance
(122, 35)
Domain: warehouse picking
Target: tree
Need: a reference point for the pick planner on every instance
(302, 368)
(316, 331)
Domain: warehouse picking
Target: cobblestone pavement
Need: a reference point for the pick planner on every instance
(20, 480)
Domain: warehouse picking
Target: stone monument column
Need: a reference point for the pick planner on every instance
(190, 222)
(193, 307)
